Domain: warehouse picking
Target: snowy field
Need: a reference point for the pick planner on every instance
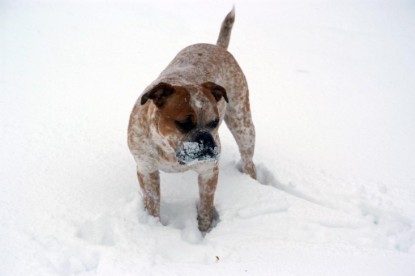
(333, 97)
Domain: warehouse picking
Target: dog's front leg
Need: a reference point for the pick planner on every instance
(207, 185)
(150, 185)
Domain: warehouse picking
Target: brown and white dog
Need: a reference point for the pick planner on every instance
(174, 124)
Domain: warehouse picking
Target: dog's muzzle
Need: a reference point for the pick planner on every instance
(201, 147)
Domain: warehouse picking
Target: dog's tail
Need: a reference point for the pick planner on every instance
(226, 29)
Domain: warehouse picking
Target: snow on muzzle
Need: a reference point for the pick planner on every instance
(201, 147)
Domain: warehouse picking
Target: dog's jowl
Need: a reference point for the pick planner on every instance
(174, 123)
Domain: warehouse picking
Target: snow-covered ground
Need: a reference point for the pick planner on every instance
(333, 98)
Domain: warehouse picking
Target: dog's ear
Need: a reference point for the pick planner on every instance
(158, 94)
(217, 91)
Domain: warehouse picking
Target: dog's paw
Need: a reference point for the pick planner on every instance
(207, 222)
(248, 168)
(251, 170)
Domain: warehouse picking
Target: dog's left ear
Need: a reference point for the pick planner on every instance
(158, 94)
(217, 91)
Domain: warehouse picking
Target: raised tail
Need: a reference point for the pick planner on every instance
(226, 29)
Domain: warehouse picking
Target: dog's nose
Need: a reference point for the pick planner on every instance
(205, 138)
(201, 147)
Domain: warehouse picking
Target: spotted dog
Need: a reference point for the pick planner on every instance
(174, 124)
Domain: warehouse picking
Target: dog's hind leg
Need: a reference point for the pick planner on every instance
(239, 121)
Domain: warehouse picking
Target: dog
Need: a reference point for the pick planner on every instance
(173, 126)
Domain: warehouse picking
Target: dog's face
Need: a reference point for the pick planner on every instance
(188, 118)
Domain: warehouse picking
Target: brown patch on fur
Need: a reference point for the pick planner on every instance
(177, 108)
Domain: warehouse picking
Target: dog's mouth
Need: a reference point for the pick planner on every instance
(202, 148)
(194, 152)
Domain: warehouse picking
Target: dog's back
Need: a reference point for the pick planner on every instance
(204, 62)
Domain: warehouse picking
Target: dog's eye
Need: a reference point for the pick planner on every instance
(213, 124)
(185, 125)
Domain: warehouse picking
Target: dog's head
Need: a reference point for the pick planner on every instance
(188, 118)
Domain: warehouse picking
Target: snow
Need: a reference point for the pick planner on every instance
(332, 97)
(195, 152)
